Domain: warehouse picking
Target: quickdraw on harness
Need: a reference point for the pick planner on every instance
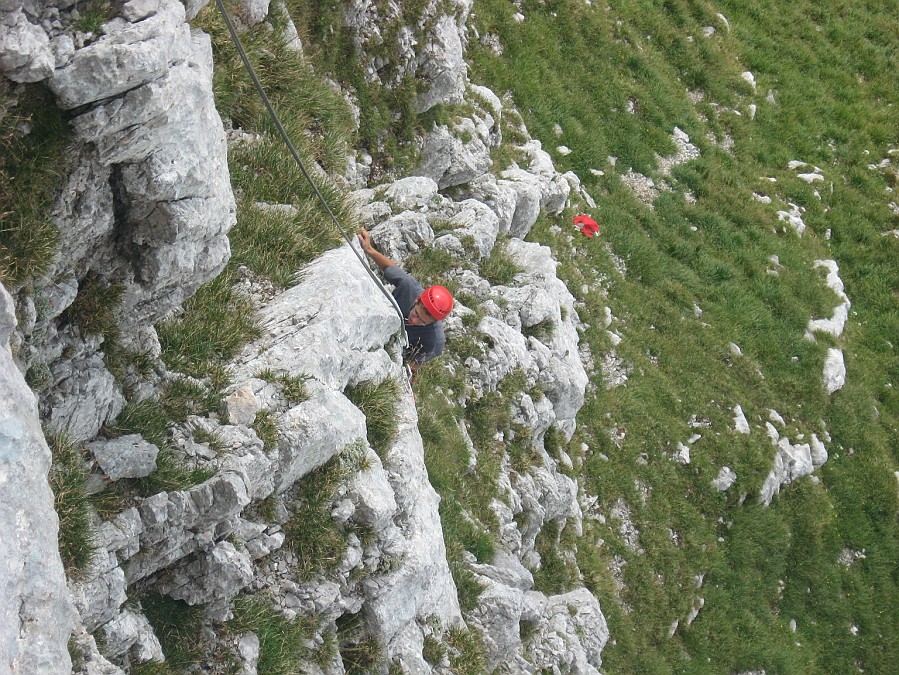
(404, 338)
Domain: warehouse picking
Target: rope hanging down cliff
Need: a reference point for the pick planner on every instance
(293, 151)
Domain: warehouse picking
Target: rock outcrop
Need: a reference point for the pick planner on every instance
(35, 606)
(145, 209)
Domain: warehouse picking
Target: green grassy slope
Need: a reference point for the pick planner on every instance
(830, 68)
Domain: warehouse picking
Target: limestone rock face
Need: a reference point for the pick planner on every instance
(430, 48)
(162, 148)
(422, 586)
(125, 457)
(35, 606)
(329, 327)
(25, 54)
(127, 56)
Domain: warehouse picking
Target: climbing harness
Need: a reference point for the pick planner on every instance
(404, 338)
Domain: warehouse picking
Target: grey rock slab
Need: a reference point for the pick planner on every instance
(125, 457)
(400, 235)
(99, 597)
(571, 633)
(252, 12)
(84, 399)
(217, 574)
(121, 535)
(248, 653)
(36, 613)
(450, 160)
(314, 431)
(444, 70)
(725, 478)
(131, 633)
(478, 221)
(136, 10)
(499, 615)
(528, 192)
(834, 371)
(128, 56)
(501, 198)
(25, 54)
(331, 326)
(413, 192)
(371, 495)
(423, 585)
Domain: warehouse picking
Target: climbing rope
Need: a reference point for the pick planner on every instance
(293, 151)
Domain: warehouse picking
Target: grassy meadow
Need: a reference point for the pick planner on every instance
(617, 77)
(806, 585)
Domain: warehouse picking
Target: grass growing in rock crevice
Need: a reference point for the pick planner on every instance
(33, 137)
(312, 534)
(68, 481)
(378, 402)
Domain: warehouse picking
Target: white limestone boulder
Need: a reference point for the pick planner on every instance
(84, 398)
(792, 461)
(124, 457)
(443, 68)
(528, 192)
(456, 155)
(834, 377)
(371, 496)
(125, 57)
(571, 631)
(502, 198)
(25, 54)
(330, 327)
(313, 432)
(403, 234)
(412, 193)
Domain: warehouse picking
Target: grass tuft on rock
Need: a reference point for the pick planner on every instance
(68, 481)
(378, 401)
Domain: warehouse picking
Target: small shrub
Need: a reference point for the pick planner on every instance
(312, 534)
(557, 574)
(431, 265)
(38, 376)
(33, 136)
(542, 331)
(215, 324)
(293, 387)
(211, 438)
(94, 14)
(149, 419)
(68, 480)
(378, 402)
(172, 474)
(179, 628)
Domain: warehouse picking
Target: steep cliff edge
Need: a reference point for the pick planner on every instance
(145, 209)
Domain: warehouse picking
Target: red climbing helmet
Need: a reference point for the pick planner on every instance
(438, 301)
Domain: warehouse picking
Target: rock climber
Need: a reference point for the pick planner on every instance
(424, 308)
